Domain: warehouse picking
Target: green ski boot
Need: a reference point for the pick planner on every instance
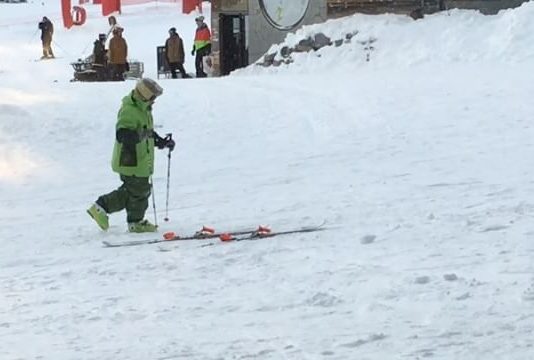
(99, 215)
(142, 227)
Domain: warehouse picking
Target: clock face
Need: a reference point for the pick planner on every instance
(284, 14)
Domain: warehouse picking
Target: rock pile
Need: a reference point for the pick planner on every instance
(318, 41)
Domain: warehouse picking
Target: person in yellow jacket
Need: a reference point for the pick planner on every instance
(118, 53)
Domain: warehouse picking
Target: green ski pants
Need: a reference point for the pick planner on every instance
(132, 195)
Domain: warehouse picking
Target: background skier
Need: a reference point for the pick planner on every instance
(47, 31)
(133, 159)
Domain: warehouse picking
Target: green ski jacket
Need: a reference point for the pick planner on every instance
(134, 157)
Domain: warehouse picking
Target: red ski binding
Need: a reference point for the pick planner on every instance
(226, 237)
(170, 235)
(205, 232)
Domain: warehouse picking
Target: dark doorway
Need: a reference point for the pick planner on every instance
(234, 53)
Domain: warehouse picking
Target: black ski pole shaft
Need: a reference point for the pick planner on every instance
(168, 183)
(153, 201)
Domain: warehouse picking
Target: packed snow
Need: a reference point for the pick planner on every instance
(419, 160)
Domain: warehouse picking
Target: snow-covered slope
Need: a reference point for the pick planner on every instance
(423, 173)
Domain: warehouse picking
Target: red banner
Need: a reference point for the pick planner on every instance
(78, 15)
(65, 11)
(191, 5)
(110, 6)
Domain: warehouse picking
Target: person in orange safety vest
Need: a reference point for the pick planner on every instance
(201, 46)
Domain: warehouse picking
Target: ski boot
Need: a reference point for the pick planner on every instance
(99, 216)
(142, 227)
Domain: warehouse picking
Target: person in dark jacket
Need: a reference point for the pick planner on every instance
(174, 53)
(100, 62)
(47, 31)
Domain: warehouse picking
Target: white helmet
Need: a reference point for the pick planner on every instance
(148, 89)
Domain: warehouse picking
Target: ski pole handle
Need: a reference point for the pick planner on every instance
(168, 139)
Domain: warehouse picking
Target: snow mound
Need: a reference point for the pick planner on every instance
(455, 36)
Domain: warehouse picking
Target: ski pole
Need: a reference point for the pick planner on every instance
(61, 48)
(33, 36)
(153, 201)
(85, 48)
(168, 181)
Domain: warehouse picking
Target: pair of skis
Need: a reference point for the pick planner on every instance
(206, 233)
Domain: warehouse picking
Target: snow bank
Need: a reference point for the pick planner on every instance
(455, 36)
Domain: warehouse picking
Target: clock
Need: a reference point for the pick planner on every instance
(284, 14)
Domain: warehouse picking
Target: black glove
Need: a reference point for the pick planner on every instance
(159, 142)
(170, 144)
(162, 143)
(193, 51)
